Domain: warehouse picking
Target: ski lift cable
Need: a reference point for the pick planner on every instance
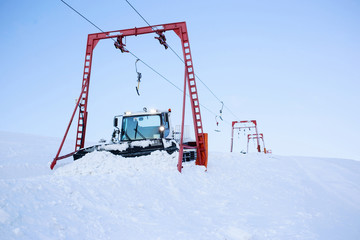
(112, 38)
(81, 15)
(162, 76)
(166, 79)
(182, 60)
(138, 59)
(178, 56)
(170, 82)
(138, 13)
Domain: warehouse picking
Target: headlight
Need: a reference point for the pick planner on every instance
(162, 128)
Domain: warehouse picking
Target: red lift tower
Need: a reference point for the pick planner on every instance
(244, 124)
(189, 80)
(255, 136)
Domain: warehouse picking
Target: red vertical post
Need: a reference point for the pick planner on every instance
(232, 136)
(247, 145)
(262, 136)
(181, 150)
(257, 138)
(194, 98)
(82, 119)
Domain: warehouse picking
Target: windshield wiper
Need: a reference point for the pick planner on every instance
(126, 135)
(136, 131)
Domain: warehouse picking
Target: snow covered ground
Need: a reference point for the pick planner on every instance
(102, 196)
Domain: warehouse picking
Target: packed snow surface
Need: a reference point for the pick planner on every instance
(102, 196)
(140, 143)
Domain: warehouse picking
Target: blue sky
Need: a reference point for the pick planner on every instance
(291, 65)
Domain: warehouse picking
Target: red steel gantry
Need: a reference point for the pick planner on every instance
(253, 125)
(255, 136)
(189, 80)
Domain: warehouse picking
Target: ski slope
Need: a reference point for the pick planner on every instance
(102, 196)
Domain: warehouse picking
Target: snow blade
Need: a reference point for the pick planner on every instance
(137, 148)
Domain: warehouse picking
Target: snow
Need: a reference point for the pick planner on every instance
(120, 147)
(102, 163)
(240, 196)
(125, 145)
(143, 143)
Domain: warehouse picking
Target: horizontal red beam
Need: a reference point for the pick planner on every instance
(245, 121)
(138, 31)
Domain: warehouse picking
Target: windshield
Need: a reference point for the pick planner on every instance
(140, 127)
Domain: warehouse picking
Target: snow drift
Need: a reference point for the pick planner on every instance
(102, 196)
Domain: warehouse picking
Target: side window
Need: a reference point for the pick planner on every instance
(166, 124)
(165, 118)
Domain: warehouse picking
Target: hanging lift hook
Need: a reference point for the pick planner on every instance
(217, 124)
(162, 39)
(138, 77)
(221, 110)
(120, 45)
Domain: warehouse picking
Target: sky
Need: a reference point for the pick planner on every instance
(291, 65)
